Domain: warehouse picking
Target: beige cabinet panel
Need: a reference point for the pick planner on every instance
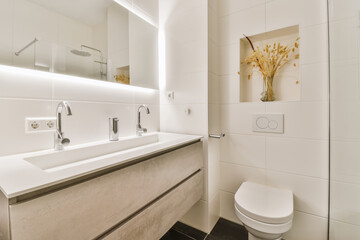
(4, 218)
(157, 219)
(86, 210)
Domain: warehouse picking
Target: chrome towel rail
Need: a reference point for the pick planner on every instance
(221, 135)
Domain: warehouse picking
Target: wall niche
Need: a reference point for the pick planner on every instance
(287, 83)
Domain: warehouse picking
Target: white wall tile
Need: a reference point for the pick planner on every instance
(344, 161)
(229, 58)
(237, 118)
(344, 80)
(213, 21)
(227, 7)
(314, 44)
(341, 231)
(229, 88)
(187, 24)
(344, 120)
(197, 93)
(302, 119)
(146, 96)
(306, 226)
(227, 209)
(344, 38)
(214, 118)
(244, 149)
(213, 167)
(232, 27)
(213, 89)
(232, 175)
(214, 211)
(310, 194)
(174, 119)
(340, 9)
(314, 82)
(284, 13)
(345, 198)
(197, 217)
(12, 127)
(298, 156)
(90, 121)
(185, 58)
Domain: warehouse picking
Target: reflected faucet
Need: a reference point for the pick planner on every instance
(60, 141)
(140, 130)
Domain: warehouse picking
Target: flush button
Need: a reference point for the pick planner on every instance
(273, 124)
(262, 122)
(268, 123)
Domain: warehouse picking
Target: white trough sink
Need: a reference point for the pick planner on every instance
(85, 153)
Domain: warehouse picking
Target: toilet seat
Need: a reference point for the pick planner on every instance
(264, 204)
(261, 226)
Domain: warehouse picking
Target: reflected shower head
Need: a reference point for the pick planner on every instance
(80, 53)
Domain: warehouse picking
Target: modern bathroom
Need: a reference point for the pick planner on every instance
(180, 120)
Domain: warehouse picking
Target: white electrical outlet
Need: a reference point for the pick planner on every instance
(40, 124)
(269, 123)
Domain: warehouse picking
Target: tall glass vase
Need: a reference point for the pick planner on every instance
(268, 93)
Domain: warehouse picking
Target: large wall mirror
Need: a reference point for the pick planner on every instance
(97, 39)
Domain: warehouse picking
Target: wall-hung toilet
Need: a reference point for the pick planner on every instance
(266, 212)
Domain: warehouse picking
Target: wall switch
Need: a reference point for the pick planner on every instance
(41, 124)
(269, 123)
(170, 95)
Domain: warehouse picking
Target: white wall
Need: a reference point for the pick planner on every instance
(213, 114)
(297, 159)
(27, 93)
(184, 25)
(345, 115)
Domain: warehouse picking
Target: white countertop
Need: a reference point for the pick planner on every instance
(18, 176)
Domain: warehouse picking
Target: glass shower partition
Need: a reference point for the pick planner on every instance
(74, 61)
(344, 35)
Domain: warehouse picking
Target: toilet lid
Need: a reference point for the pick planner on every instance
(265, 204)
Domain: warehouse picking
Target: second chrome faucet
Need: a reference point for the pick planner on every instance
(114, 124)
(140, 130)
(60, 141)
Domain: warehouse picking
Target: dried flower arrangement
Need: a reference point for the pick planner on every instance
(122, 78)
(268, 61)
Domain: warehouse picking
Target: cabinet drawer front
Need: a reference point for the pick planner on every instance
(157, 219)
(86, 210)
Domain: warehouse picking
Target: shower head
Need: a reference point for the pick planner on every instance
(80, 53)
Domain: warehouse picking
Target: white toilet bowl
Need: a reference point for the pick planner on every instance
(266, 212)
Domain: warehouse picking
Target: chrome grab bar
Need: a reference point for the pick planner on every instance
(221, 135)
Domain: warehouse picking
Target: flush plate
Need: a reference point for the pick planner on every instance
(268, 123)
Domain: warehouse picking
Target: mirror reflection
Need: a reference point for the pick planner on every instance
(96, 39)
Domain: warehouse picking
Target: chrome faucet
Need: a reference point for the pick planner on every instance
(60, 141)
(140, 130)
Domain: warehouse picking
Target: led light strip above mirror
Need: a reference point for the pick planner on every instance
(130, 7)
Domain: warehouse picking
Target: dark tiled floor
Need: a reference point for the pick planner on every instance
(223, 230)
